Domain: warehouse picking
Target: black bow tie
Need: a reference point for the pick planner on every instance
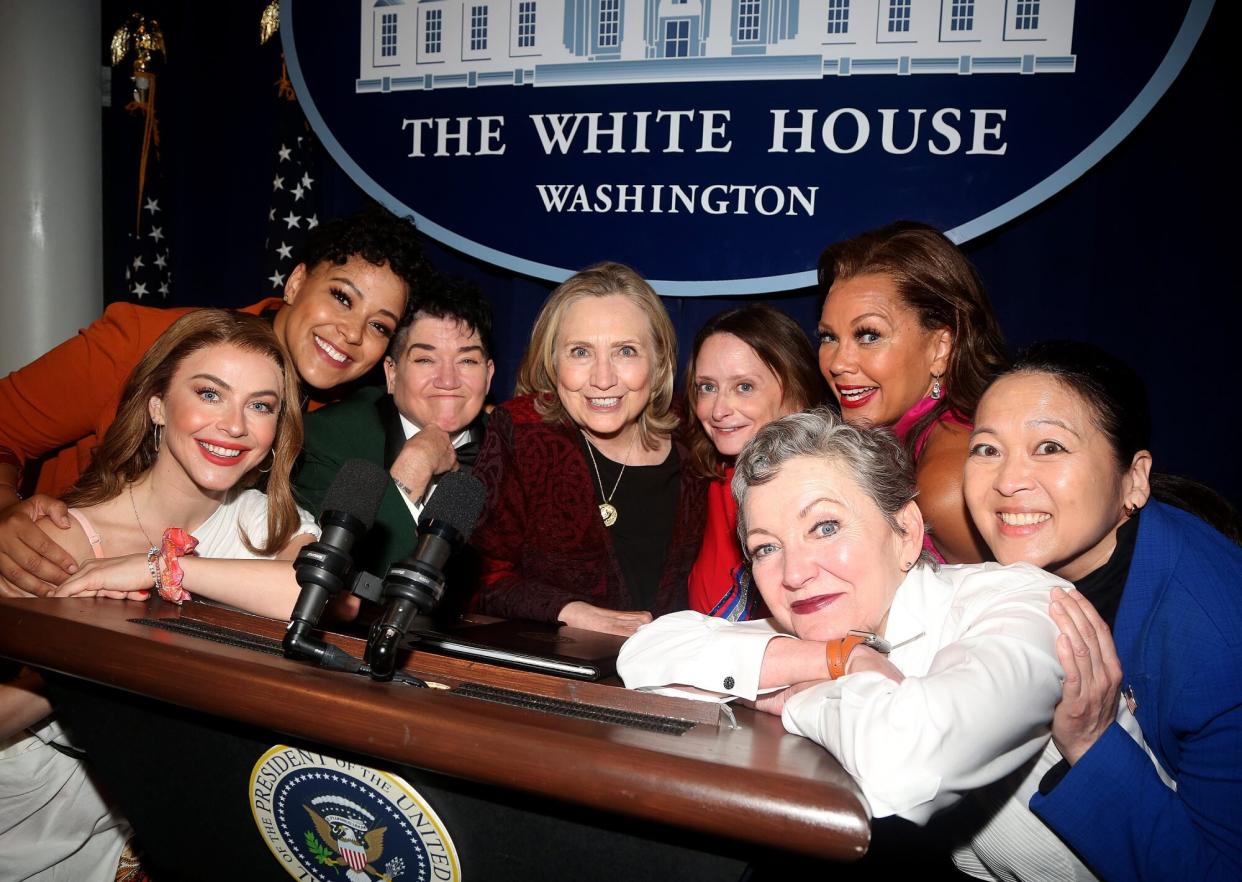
(467, 454)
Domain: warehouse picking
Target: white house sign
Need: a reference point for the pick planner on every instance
(719, 145)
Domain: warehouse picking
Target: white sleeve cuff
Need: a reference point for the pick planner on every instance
(691, 649)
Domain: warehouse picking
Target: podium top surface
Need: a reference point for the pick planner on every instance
(754, 782)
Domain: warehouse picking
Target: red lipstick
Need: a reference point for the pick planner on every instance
(812, 604)
(858, 401)
(222, 460)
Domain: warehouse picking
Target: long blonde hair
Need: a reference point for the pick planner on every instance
(129, 448)
(537, 373)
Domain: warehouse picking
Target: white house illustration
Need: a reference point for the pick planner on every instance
(437, 44)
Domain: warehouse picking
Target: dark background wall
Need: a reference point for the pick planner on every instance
(1137, 255)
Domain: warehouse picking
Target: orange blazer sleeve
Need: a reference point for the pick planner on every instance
(68, 396)
(57, 399)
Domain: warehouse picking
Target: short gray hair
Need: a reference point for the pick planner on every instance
(872, 456)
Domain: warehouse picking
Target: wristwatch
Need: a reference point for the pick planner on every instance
(838, 651)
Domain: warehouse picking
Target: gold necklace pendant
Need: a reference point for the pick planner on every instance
(607, 511)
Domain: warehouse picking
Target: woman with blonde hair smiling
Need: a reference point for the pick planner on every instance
(168, 408)
(591, 518)
(209, 411)
(205, 415)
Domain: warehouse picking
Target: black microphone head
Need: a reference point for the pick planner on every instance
(458, 502)
(357, 490)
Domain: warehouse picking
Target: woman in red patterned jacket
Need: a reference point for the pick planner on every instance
(593, 517)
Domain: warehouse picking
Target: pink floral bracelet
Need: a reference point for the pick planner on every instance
(176, 544)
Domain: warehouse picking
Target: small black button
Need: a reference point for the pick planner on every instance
(728, 682)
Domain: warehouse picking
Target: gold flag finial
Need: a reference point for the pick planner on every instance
(269, 21)
(143, 37)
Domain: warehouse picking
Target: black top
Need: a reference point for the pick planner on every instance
(1103, 587)
(646, 504)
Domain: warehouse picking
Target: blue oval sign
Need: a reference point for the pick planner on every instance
(719, 145)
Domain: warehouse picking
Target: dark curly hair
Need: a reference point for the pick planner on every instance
(376, 236)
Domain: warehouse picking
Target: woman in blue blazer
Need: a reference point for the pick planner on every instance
(1150, 721)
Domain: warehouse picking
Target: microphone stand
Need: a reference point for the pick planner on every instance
(321, 569)
(413, 586)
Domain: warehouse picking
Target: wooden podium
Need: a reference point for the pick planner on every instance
(532, 776)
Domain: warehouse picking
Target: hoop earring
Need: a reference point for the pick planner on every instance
(936, 389)
(157, 433)
(1130, 510)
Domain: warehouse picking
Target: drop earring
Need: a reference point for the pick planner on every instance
(936, 389)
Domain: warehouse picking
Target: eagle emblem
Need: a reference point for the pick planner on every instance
(348, 837)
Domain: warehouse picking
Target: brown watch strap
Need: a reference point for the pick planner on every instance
(838, 653)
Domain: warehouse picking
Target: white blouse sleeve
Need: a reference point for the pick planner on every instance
(307, 524)
(252, 518)
(980, 711)
(691, 649)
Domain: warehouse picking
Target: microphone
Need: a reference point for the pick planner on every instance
(323, 568)
(416, 584)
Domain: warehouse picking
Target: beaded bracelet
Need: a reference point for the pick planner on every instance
(176, 543)
(153, 567)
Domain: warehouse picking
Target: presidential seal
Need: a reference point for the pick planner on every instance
(334, 820)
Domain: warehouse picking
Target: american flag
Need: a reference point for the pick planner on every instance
(148, 272)
(148, 275)
(295, 207)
